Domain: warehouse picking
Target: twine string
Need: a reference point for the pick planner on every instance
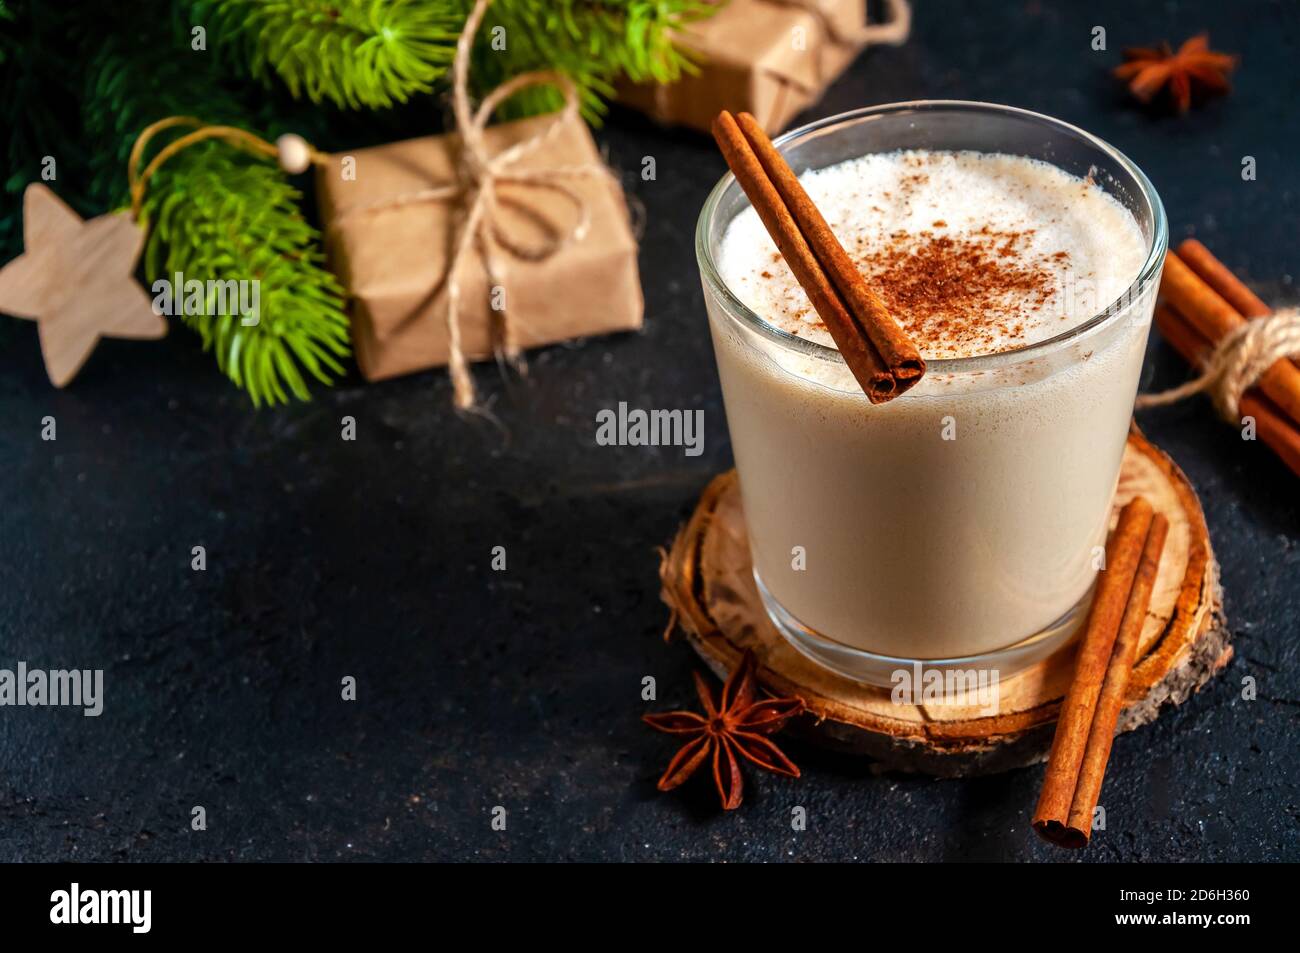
(1237, 363)
(480, 175)
(138, 180)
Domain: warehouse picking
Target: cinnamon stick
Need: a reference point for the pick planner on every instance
(896, 349)
(1214, 318)
(1111, 700)
(856, 346)
(1184, 338)
(1273, 427)
(1220, 277)
(1074, 723)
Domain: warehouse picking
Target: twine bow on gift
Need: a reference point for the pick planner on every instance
(1237, 363)
(479, 177)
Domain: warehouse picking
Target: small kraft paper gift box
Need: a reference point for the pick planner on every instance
(562, 261)
(771, 58)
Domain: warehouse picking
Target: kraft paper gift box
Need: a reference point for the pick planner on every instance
(393, 253)
(772, 58)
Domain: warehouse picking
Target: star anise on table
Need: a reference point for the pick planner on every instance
(1195, 66)
(732, 727)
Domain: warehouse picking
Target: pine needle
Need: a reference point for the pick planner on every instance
(353, 53)
(215, 215)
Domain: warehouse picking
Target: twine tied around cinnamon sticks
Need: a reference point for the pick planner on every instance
(1237, 363)
(1237, 342)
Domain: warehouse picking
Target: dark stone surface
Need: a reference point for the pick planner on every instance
(477, 688)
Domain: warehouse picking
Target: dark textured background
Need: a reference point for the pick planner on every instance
(522, 688)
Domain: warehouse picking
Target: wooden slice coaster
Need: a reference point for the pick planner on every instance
(708, 584)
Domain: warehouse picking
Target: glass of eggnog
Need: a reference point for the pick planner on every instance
(962, 524)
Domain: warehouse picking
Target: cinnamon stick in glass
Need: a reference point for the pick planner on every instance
(1074, 723)
(896, 349)
(854, 334)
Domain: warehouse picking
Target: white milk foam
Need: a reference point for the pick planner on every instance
(1063, 247)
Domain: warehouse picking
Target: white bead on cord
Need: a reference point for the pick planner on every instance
(294, 153)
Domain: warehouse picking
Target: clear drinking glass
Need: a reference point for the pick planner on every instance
(962, 524)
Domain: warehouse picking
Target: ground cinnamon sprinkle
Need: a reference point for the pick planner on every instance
(971, 253)
(963, 293)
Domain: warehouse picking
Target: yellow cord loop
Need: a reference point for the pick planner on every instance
(137, 180)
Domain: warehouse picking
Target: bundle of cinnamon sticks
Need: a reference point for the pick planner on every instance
(1085, 727)
(1203, 301)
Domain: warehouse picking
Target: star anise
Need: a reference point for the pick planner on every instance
(731, 728)
(1195, 66)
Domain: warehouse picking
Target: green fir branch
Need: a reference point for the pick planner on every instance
(376, 53)
(128, 86)
(218, 214)
(353, 53)
(593, 41)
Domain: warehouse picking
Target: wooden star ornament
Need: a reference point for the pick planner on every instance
(75, 280)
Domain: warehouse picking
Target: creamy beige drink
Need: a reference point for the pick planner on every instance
(968, 514)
